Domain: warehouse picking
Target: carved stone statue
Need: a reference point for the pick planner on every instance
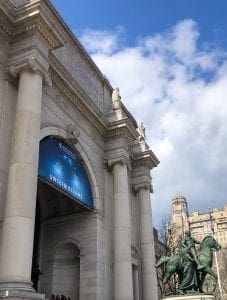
(116, 99)
(141, 130)
(190, 265)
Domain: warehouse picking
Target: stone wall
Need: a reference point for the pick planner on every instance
(59, 112)
(88, 77)
(135, 219)
(18, 3)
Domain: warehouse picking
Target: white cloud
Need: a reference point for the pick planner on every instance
(178, 88)
(101, 41)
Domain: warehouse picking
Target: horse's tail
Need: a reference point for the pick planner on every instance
(163, 260)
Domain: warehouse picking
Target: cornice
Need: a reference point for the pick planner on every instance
(18, 3)
(142, 162)
(6, 27)
(21, 22)
(8, 10)
(35, 27)
(73, 92)
(142, 156)
(122, 128)
(35, 18)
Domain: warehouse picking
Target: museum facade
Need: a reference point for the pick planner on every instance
(75, 212)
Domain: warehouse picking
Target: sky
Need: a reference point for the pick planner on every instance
(169, 60)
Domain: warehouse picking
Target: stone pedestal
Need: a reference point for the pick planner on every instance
(18, 294)
(191, 297)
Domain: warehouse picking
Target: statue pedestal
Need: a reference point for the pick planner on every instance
(191, 297)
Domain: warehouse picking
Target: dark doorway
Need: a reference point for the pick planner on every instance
(35, 273)
(60, 274)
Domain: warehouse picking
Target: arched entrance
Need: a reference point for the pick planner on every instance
(63, 204)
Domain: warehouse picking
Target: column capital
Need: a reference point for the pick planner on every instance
(144, 185)
(119, 156)
(32, 63)
(142, 182)
(120, 160)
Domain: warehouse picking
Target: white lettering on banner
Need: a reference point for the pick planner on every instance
(66, 187)
(66, 150)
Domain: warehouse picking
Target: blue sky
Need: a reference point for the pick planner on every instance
(146, 17)
(169, 59)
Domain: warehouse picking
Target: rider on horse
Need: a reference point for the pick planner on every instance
(189, 243)
(186, 264)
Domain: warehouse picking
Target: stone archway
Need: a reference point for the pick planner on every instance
(66, 270)
(61, 268)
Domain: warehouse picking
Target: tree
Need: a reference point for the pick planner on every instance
(169, 236)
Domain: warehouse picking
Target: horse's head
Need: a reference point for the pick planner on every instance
(209, 241)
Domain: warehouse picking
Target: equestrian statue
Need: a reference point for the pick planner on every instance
(190, 265)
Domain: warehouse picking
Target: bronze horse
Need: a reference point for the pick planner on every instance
(173, 264)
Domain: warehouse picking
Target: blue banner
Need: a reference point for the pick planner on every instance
(60, 166)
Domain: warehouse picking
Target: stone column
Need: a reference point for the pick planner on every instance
(19, 216)
(149, 278)
(135, 275)
(123, 289)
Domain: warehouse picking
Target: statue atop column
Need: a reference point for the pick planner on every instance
(190, 265)
(141, 130)
(116, 99)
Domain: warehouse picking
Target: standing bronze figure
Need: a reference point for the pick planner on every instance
(190, 266)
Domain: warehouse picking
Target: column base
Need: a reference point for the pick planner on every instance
(18, 291)
(191, 297)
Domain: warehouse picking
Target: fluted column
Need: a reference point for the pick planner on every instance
(19, 216)
(123, 289)
(149, 278)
